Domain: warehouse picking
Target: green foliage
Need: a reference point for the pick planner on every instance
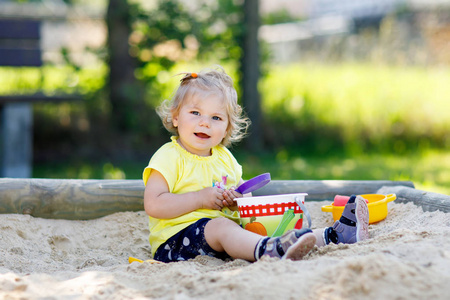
(51, 80)
(172, 32)
(279, 16)
(176, 31)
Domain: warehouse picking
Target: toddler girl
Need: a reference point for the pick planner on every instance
(190, 183)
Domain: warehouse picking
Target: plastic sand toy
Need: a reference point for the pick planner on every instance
(272, 215)
(377, 205)
(254, 184)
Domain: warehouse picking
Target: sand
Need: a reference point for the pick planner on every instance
(406, 257)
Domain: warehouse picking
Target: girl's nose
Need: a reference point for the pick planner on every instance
(205, 121)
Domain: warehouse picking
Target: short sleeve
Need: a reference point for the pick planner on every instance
(165, 163)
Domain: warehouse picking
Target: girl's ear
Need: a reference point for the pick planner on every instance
(175, 120)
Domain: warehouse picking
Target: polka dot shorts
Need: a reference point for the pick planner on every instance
(186, 244)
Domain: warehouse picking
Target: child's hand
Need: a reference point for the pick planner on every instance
(229, 196)
(212, 198)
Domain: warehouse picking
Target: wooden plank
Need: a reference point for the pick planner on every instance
(327, 189)
(429, 201)
(78, 199)
(70, 199)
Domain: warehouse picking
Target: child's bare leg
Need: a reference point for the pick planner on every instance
(222, 234)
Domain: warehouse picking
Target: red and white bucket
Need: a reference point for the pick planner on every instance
(271, 215)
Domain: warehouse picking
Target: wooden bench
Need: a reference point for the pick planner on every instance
(20, 47)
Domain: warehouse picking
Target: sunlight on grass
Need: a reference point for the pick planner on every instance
(51, 79)
(363, 101)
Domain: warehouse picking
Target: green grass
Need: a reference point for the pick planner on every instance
(372, 96)
(368, 106)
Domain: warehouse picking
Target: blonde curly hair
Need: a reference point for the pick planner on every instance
(207, 81)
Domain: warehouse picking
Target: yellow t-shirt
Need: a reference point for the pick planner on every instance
(187, 172)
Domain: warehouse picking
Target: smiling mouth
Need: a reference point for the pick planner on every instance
(202, 135)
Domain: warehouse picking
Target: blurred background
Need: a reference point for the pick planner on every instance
(335, 89)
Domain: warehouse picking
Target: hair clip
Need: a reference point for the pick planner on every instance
(188, 76)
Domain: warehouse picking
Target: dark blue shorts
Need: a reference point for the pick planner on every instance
(188, 243)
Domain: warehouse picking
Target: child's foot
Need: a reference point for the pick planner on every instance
(293, 245)
(353, 226)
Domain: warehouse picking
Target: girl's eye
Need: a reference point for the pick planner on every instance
(195, 113)
(216, 118)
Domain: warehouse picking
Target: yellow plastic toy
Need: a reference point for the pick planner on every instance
(377, 205)
(152, 261)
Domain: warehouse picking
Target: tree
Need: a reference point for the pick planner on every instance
(158, 38)
(125, 92)
(250, 66)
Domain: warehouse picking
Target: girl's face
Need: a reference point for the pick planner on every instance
(202, 123)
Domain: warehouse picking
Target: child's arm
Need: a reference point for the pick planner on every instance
(161, 204)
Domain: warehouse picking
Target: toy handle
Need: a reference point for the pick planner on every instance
(305, 211)
(391, 197)
(327, 208)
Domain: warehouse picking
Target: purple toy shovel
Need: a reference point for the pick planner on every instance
(254, 183)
